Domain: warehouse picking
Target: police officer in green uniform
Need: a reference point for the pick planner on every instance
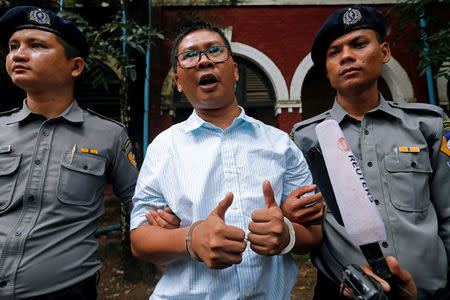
(403, 149)
(55, 161)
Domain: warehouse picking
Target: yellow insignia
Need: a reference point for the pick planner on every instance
(131, 158)
(414, 149)
(445, 146)
(291, 136)
(127, 150)
(88, 150)
(408, 149)
(403, 149)
(126, 145)
(446, 125)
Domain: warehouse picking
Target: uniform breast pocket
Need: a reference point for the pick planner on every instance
(9, 166)
(408, 180)
(81, 179)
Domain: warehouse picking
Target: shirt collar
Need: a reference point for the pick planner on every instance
(338, 113)
(195, 122)
(73, 113)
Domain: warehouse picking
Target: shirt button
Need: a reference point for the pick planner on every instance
(31, 198)
(85, 167)
(377, 202)
(366, 132)
(235, 207)
(3, 283)
(37, 162)
(413, 164)
(384, 244)
(370, 164)
(246, 293)
(45, 133)
(18, 233)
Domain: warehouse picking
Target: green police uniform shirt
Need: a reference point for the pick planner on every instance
(403, 151)
(52, 178)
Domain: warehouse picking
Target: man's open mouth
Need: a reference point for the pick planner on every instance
(208, 79)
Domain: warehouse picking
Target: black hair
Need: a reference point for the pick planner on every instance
(191, 26)
(379, 37)
(69, 50)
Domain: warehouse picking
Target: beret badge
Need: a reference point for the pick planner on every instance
(351, 17)
(39, 16)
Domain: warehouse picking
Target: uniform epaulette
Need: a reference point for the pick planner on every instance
(417, 106)
(104, 117)
(309, 121)
(2, 113)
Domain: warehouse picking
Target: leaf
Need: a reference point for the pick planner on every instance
(133, 75)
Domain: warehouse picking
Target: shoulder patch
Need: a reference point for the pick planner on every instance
(104, 117)
(418, 106)
(127, 150)
(446, 125)
(309, 121)
(445, 146)
(4, 113)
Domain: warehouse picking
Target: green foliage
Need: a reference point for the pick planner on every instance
(106, 44)
(432, 42)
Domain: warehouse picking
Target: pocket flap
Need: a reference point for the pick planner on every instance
(84, 163)
(408, 162)
(9, 164)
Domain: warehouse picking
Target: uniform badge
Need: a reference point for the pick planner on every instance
(39, 16)
(446, 125)
(127, 150)
(89, 150)
(351, 16)
(445, 146)
(409, 149)
(132, 158)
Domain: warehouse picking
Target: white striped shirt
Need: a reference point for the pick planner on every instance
(191, 167)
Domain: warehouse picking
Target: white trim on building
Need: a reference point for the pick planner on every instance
(393, 74)
(267, 66)
(398, 81)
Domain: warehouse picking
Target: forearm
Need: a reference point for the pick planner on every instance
(158, 245)
(306, 238)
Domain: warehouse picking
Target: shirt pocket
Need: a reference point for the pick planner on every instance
(9, 166)
(408, 180)
(81, 179)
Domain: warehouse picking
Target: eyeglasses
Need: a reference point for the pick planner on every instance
(189, 59)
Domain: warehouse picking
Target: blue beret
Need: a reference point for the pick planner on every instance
(31, 17)
(342, 22)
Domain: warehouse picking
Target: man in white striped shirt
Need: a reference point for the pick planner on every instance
(225, 176)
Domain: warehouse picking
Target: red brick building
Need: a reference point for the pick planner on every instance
(271, 41)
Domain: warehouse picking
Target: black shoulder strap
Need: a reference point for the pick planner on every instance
(319, 172)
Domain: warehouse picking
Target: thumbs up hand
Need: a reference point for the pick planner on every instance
(269, 235)
(217, 244)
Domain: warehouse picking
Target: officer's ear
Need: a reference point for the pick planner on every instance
(78, 66)
(385, 52)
